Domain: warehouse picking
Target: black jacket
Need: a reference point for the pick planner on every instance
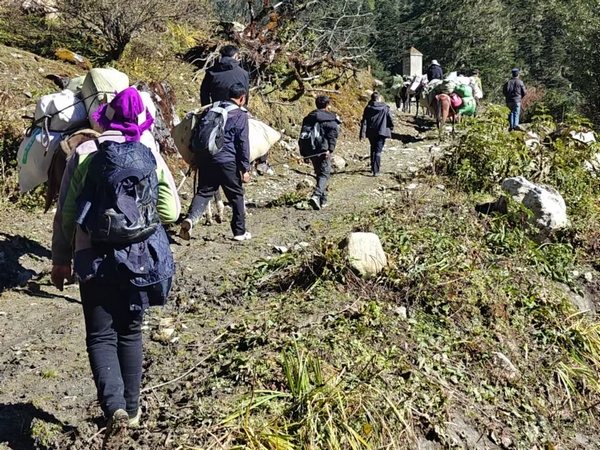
(514, 90)
(330, 126)
(219, 78)
(377, 120)
(435, 72)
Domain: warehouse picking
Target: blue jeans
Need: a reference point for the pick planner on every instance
(513, 117)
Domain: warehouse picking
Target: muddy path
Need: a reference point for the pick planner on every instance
(45, 381)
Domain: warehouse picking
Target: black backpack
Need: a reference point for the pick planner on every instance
(117, 205)
(311, 140)
(208, 137)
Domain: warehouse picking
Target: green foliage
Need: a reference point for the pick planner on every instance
(486, 155)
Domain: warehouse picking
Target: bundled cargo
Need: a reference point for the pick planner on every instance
(34, 157)
(463, 91)
(60, 112)
(468, 107)
(455, 100)
(261, 136)
(100, 86)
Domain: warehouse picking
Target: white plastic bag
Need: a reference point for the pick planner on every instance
(67, 111)
(33, 158)
(262, 137)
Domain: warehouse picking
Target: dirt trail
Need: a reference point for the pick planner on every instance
(44, 373)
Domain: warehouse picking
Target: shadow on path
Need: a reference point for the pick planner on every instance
(21, 431)
(13, 247)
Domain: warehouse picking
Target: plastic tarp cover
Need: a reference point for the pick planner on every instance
(66, 110)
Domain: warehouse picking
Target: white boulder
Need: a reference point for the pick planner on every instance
(337, 163)
(365, 253)
(546, 203)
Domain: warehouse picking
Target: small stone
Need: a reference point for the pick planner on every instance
(412, 186)
(337, 163)
(27, 94)
(401, 311)
(413, 169)
(588, 277)
(168, 332)
(304, 184)
(41, 70)
(576, 274)
(280, 248)
(2, 313)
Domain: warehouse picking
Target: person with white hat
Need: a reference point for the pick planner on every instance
(435, 71)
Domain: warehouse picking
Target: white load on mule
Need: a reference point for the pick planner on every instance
(55, 115)
(100, 86)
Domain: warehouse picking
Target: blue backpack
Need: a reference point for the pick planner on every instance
(117, 206)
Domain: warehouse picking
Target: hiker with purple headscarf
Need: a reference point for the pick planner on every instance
(116, 282)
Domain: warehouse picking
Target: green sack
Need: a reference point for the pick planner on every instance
(397, 81)
(468, 107)
(464, 91)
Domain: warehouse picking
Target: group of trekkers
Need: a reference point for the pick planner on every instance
(116, 194)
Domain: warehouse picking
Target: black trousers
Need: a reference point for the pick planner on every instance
(211, 177)
(114, 345)
(322, 166)
(377, 144)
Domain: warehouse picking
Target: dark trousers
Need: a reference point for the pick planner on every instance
(322, 166)
(114, 345)
(377, 144)
(211, 177)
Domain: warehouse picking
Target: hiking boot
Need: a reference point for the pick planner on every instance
(134, 422)
(243, 237)
(315, 202)
(324, 204)
(186, 229)
(115, 430)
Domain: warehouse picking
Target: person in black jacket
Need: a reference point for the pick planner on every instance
(514, 91)
(224, 74)
(377, 124)
(435, 72)
(228, 169)
(330, 125)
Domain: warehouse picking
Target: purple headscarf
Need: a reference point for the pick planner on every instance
(125, 113)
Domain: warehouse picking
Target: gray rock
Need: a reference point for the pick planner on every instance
(365, 253)
(337, 163)
(304, 183)
(546, 203)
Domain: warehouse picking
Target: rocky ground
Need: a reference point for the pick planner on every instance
(45, 383)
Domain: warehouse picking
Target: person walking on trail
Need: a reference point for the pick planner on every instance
(226, 72)
(435, 71)
(228, 168)
(329, 125)
(115, 193)
(514, 91)
(377, 125)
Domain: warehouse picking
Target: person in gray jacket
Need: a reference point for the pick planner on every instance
(514, 91)
(377, 125)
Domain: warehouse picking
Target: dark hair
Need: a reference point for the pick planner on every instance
(322, 101)
(375, 97)
(238, 90)
(229, 50)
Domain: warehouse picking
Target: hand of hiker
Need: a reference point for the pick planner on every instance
(327, 154)
(60, 274)
(246, 177)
